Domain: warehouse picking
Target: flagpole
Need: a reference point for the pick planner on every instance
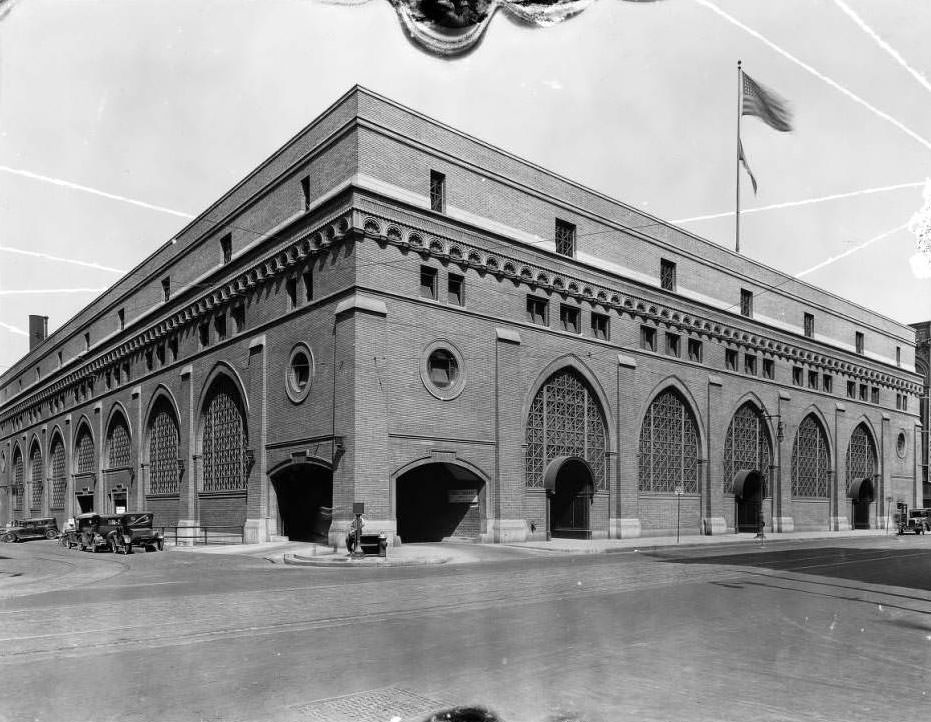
(740, 91)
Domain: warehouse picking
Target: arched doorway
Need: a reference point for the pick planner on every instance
(439, 502)
(305, 501)
(861, 495)
(861, 470)
(569, 483)
(749, 486)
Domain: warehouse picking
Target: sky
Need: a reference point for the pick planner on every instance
(119, 117)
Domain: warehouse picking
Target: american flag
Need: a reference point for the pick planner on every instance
(765, 104)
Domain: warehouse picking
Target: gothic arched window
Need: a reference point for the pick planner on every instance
(746, 446)
(164, 475)
(861, 456)
(224, 440)
(565, 420)
(18, 480)
(669, 448)
(87, 461)
(36, 469)
(58, 475)
(811, 461)
(118, 447)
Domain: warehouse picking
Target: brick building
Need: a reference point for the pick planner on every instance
(389, 311)
(923, 366)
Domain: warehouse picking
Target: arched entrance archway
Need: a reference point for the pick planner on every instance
(749, 485)
(305, 501)
(569, 483)
(439, 502)
(861, 494)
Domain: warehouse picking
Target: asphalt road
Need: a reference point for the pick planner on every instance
(838, 629)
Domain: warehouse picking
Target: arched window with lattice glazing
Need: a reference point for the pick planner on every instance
(36, 477)
(164, 476)
(861, 456)
(224, 440)
(565, 419)
(19, 481)
(87, 459)
(57, 500)
(811, 460)
(118, 445)
(669, 446)
(747, 446)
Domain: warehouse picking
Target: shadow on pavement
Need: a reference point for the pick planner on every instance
(907, 568)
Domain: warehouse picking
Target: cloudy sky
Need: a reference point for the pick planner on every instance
(168, 103)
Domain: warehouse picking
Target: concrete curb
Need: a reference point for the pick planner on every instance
(343, 562)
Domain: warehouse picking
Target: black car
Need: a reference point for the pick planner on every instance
(124, 531)
(37, 528)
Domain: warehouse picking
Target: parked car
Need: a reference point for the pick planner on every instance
(919, 521)
(37, 528)
(124, 531)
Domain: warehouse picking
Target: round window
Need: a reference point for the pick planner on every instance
(300, 373)
(442, 370)
(901, 444)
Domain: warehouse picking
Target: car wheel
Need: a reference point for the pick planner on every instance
(8, 538)
(51, 534)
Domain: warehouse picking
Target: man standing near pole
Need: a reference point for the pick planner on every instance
(755, 99)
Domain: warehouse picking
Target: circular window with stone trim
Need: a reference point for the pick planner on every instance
(901, 444)
(300, 374)
(442, 370)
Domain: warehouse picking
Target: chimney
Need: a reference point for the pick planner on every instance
(38, 330)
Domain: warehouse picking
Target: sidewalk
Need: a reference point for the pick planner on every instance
(318, 555)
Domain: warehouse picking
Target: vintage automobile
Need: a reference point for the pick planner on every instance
(37, 528)
(86, 533)
(919, 521)
(124, 531)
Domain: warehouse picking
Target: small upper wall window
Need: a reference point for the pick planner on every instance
(226, 248)
(166, 288)
(809, 325)
(437, 192)
(746, 303)
(859, 341)
(305, 192)
(121, 315)
(565, 238)
(898, 355)
(428, 282)
(87, 342)
(667, 274)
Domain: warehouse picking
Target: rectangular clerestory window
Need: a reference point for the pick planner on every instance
(673, 344)
(565, 238)
(813, 379)
(809, 325)
(166, 288)
(437, 191)
(428, 282)
(538, 310)
(874, 395)
(851, 390)
(769, 369)
(858, 341)
(730, 359)
(746, 303)
(667, 275)
(291, 290)
(695, 350)
(601, 327)
(226, 248)
(648, 338)
(797, 375)
(569, 318)
(305, 192)
(750, 364)
(455, 289)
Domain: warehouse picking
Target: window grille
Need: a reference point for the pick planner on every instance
(18, 481)
(747, 446)
(861, 456)
(58, 476)
(437, 191)
(164, 475)
(668, 446)
(118, 449)
(811, 463)
(86, 462)
(36, 469)
(565, 420)
(224, 442)
(565, 238)
(667, 275)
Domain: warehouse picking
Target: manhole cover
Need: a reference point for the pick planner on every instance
(376, 705)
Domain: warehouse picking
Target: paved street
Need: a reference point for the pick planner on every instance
(829, 629)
